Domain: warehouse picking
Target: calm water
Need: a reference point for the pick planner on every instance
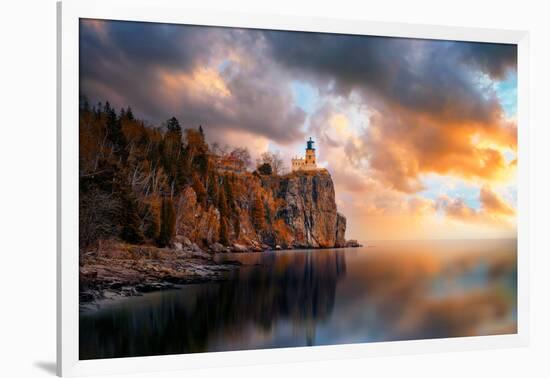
(386, 292)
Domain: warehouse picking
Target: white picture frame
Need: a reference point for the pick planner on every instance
(170, 11)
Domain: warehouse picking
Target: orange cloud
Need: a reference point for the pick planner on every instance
(495, 204)
(403, 145)
(203, 82)
(494, 209)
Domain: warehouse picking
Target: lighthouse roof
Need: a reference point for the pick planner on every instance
(310, 144)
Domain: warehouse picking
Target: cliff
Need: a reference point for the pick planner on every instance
(167, 187)
(296, 210)
(309, 209)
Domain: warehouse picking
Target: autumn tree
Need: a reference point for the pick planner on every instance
(222, 204)
(274, 160)
(98, 211)
(199, 189)
(219, 149)
(228, 188)
(213, 187)
(224, 232)
(195, 142)
(243, 156)
(258, 213)
(237, 225)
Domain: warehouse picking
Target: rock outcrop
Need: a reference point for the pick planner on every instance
(297, 210)
(309, 209)
(340, 231)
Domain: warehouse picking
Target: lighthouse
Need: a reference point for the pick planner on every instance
(309, 163)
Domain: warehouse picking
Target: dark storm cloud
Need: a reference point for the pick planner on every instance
(133, 64)
(492, 58)
(424, 75)
(118, 61)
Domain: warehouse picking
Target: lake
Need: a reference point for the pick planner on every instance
(384, 292)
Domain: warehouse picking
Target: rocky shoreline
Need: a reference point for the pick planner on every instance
(116, 270)
(119, 270)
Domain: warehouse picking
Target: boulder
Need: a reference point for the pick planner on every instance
(352, 244)
(217, 248)
(196, 248)
(239, 248)
(177, 246)
(183, 240)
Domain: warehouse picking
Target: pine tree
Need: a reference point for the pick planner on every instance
(173, 154)
(84, 104)
(107, 108)
(173, 125)
(265, 169)
(129, 114)
(130, 220)
(151, 220)
(167, 223)
(114, 130)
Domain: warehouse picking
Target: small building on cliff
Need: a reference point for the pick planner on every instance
(309, 163)
(229, 163)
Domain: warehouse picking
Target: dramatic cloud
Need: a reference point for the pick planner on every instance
(431, 110)
(211, 76)
(386, 113)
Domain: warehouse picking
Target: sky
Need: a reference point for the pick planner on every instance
(420, 136)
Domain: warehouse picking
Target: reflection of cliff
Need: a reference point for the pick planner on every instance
(298, 287)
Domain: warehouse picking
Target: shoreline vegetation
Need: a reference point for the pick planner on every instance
(157, 202)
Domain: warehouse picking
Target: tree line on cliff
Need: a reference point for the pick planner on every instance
(145, 184)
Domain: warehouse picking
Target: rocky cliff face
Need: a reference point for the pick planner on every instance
(297, 210)
(309, 209)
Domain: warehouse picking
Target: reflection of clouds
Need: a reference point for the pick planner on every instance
(460, 315)
(403, 303)
(389, 292)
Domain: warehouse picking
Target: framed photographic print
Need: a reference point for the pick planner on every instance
(240, 189)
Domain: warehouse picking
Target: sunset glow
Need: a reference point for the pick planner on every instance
(420, 136)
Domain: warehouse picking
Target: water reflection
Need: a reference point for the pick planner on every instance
(299, 298)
